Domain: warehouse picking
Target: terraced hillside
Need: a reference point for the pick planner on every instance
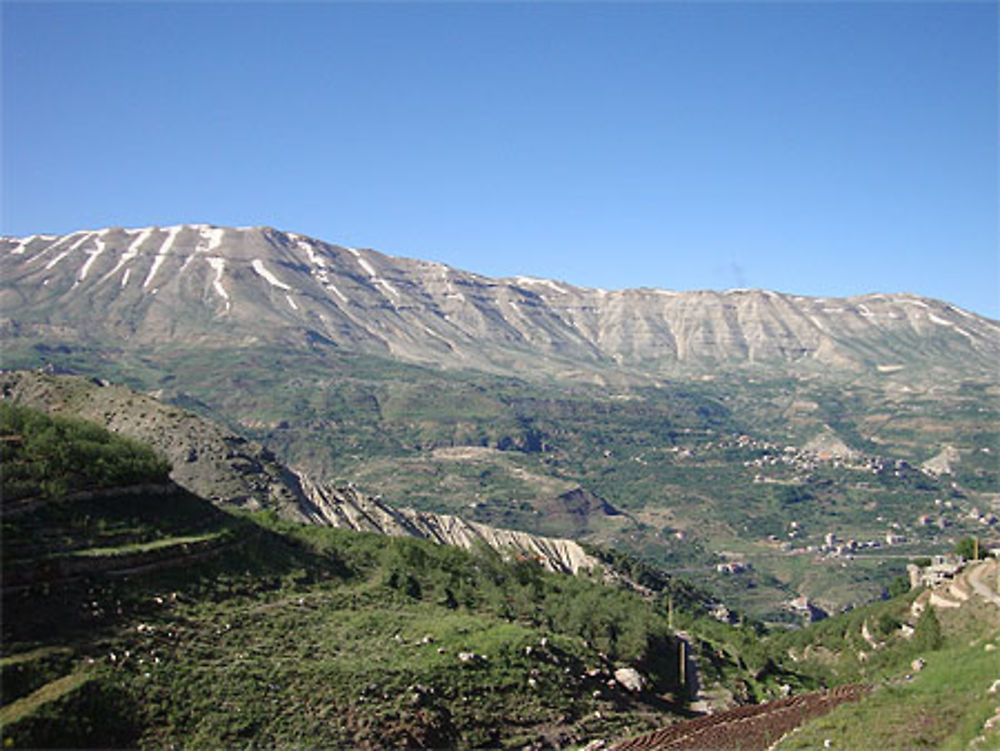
(140, 616)
(677, 476)
(212, 462)
(145, 616)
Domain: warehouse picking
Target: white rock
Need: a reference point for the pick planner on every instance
(630, 679)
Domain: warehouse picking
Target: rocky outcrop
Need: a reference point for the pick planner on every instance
(347, 508)
(210, 286)
(941, 463)
(631, 679)
(828, 445)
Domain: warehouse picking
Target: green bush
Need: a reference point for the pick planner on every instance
(968, 548)
(49, 456)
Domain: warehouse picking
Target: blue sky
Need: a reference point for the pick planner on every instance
(815, 148)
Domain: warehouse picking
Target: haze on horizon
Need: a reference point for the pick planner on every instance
(814, 148)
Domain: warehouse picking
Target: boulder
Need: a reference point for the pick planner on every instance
(630, 679)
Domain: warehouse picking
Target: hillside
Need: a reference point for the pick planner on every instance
(670, 475)
(936, 666)
(204, 458)
(141, 614)
(143, 617)
(917, 671)
(213, 463)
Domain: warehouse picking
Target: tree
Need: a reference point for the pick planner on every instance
(967, 547)
(899, 586)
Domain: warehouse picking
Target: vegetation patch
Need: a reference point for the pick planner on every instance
(49, 456)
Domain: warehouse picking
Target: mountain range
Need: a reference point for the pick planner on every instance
(212, 286)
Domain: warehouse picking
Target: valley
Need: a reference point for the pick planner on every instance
(411, 506)
(679, 476)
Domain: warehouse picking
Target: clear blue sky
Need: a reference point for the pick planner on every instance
(816, 148)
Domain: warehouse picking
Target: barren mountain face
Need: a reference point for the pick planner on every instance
(198, 284)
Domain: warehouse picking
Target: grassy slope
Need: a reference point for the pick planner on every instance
(47, 456)
(293, 635)
(297, 635)
(941, 706)
(329, 638)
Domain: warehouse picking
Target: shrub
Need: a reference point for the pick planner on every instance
(53, 455)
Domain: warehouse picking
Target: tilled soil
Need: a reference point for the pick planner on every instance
(750, 728)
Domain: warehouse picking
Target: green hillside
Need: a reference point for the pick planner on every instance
(933, 668)
(150, 617)
(139, 615)
(45, 456)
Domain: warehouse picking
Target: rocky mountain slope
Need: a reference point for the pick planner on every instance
(349, 509)
(210, 286)
(217, 464)
(206, 459)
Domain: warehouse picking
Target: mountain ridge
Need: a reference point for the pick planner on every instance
(215, 285)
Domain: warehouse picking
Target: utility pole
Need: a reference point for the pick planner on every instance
(682, 666)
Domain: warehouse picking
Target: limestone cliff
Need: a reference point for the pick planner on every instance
(345, 507)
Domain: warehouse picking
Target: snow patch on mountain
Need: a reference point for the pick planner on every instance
(56, 259)
(172, 233)
(373, 275)
(19, 249)
(212, 238)
(533, 281)
(100, 247)
(219, 266)
(130, 252)
(258, 266)
(333, 288)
